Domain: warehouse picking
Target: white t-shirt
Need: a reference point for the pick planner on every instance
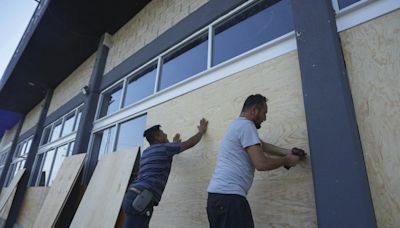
(234, 171)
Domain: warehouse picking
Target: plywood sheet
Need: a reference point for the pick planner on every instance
(372, 55)
(102, 200)
(7, 195)
(59, 191)
(184, 201)
(33, 201)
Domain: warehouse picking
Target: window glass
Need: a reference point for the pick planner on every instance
(131, 133)
(46, 135)
(184, 62)
(21, 149)
(56, 131)
(141, 85)
(253, 27)
(62, 152)
(68, 124)
(78, 119)
(14, 170)
(107, 141)
(3, 157)
(48, 161)
(110, 101)
(71, 147)
(36, 170)
(345, 3)
(28, 146)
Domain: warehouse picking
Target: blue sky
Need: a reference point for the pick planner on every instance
(14, 17)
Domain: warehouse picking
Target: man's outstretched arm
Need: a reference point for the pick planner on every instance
(192, 141)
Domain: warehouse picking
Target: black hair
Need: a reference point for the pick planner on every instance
(151, 133)
(254, 100)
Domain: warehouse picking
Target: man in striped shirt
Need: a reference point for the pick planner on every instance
(155, 166)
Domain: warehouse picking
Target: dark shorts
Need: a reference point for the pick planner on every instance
(132, 217)
(228, 211)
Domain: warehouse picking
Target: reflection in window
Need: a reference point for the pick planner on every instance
(62, 152)
(187, 61)
(78, 119)
(48, 161)
(71, 147)
(345, 3)
(56, 131)
(253, 27)
(131, 133)
(37, 171)
(68, 124)
(110, 101)
(106, 141)
(141, 85)
(19, 159)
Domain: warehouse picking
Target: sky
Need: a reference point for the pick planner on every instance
(14, 18)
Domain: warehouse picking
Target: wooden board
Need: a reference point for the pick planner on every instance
(184, 200)
(7, 195)
(372, 55)
(102, 200)
(33, 201)
(59, 191)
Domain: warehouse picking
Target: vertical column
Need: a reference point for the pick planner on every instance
(342, 193)
(23, 184)
(91, 100)
(11, 153)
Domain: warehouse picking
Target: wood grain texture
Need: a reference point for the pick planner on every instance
(59, 191)
(33, 201)
(279, 198)
(372, 55)
(7, 194)
(102, 200)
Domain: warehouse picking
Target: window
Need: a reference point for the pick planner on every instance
(61, 153)
(78, 119)
(61, 127)
(68, 124)
(3, 157)
(111, 101)
(251, 28)
(46, 168)
(345, 3)
(56, 131)
(49, 163)
(141, 85)
(56, 144)
(106, 138)
(184, 62)
(131, 133)
(19, 159)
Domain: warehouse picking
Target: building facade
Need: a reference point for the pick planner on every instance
(330, 70)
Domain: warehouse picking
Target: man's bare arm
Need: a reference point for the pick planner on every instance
(262, 162)
(192, 141)
(274, 150)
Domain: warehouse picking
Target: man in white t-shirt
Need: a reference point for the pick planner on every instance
(241, 152)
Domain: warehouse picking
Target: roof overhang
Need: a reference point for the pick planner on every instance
(61, 35)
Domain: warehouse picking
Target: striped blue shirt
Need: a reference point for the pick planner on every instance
(155, 166)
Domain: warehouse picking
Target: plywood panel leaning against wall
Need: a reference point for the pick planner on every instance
(102, 200)
(372, 55)
(33, 201)
(279, 198)
(59, 191)
(7, 196)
